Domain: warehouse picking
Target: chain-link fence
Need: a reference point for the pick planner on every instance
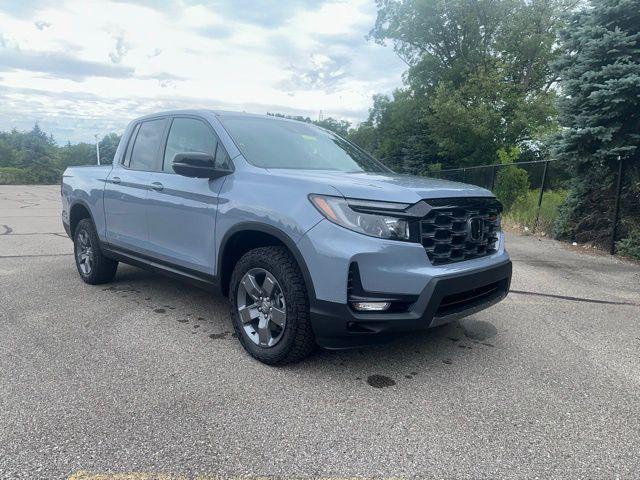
(532, 193)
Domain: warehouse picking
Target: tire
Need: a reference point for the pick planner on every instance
(295, 340)
(94, 268)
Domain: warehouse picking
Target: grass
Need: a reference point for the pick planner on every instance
(523, 212)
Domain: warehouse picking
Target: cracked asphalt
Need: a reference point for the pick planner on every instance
(142, 378)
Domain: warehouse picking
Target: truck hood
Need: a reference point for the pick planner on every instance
(387, 187)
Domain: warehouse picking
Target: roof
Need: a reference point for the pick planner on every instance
(204, 112)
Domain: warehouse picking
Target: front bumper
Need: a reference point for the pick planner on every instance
(389, 269)
(443, 300)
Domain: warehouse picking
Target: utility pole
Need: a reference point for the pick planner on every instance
(97, 148)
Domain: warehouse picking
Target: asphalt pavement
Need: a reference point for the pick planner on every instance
(142, 378)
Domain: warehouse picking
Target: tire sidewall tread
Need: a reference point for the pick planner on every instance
(104, 269)
(298, 339)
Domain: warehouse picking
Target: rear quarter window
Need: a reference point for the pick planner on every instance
(144, 155)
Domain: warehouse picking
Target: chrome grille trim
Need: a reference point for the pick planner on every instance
(445, 230)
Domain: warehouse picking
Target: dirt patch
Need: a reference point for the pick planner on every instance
(380, 381)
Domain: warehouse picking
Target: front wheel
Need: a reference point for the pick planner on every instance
(94, 268)
(270, 306)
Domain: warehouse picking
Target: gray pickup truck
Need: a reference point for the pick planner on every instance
(314, 241)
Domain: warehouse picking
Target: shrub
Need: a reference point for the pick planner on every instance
(630, 246)
(16, 176)
(431, 170)
(524, 209)
(512, 183)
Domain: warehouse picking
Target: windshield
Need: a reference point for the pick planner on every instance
(271, 143)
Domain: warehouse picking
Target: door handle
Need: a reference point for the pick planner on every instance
(115, 180)
(157, 186)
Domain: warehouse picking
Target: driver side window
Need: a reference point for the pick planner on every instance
(188, 135)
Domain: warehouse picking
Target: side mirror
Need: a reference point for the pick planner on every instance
(196, 165)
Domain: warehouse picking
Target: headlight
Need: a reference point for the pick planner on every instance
(376, 219)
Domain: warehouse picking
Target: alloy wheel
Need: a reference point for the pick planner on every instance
(84, 253)
(261, 307)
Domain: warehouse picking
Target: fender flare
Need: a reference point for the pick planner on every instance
(275, 232)
(82, 202)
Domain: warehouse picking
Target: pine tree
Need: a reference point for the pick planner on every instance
(600, 113)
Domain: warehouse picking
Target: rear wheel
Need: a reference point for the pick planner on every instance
(270, 306)
(94, 268)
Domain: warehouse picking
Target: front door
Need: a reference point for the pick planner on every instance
(181, 211)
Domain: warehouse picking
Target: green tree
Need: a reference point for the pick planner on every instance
(394, 132)
(37, 152)
(478, 79)
(35, 157)
(77, 154)
(600, 113)
(108, 147)
(7, 152)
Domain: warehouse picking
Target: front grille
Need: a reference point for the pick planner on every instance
(460, 229)
(464, 300)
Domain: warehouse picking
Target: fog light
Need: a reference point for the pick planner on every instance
(371, 306)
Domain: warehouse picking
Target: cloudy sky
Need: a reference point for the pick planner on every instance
(82, 67)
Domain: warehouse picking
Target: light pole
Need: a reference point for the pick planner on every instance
(97, 148)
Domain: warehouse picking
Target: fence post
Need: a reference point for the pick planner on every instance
(616, 208)
(493, 177)
(544, 178)
(464, 175)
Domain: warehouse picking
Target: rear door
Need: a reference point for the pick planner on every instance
(127, 186)
(181, 211)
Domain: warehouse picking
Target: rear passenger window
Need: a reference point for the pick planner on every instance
(145, 148)
(132, 139)
(188, 135)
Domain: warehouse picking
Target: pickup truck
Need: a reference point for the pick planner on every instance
(313, 240)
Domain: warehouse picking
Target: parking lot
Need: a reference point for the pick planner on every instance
(143, 376)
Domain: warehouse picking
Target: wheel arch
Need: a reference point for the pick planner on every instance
(249, 235)
(77, 212)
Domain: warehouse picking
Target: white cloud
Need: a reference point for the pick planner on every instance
(121, 49)
(40, 25)
(83, 67)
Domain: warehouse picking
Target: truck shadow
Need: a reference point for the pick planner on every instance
(407, 356)
(203, 314)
